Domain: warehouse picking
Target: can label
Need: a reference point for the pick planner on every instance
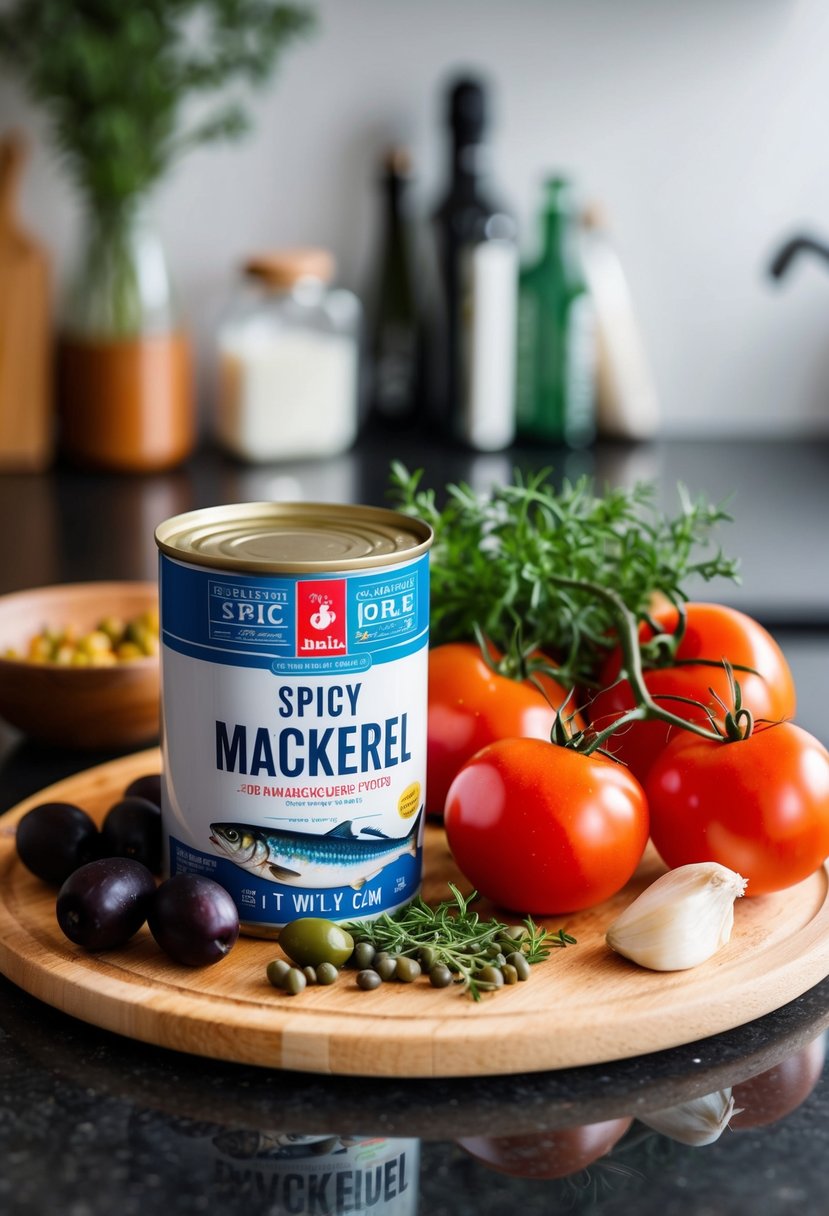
(294, 736)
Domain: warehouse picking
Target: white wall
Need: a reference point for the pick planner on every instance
(701, 125)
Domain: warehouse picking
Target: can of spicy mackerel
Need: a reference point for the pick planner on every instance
(294, 658)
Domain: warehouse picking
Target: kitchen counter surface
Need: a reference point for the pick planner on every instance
(91, 1122)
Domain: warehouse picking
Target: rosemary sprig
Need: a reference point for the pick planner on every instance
(494, 556)
(453, 934)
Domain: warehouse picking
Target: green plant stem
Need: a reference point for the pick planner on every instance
(646, 707)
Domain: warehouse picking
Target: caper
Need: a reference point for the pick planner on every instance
(364, 954)
(311, 940)
(326, 973)
(516, 933)
(428, 956)
(310, 974)
(519, 962)
(440, 976)
(491, 976)
(408, 970)
(386, 966)
(368, 979)
(294, 981)
(509, 973)
(276, 971)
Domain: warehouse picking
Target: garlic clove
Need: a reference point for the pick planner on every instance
(681, 919)
(696, 1122)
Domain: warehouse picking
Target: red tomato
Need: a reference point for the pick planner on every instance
(471, 705)
(547, 1154)
(759, 805)
(714, 632)
(775, 1093)
(541, 829)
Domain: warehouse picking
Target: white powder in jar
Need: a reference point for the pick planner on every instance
(286, 394)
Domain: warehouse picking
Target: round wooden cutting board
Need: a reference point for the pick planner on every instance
(585, 1005)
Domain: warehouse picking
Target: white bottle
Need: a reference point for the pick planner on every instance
(627, 400)
(288, 353)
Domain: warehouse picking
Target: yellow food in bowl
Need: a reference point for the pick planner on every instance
(112, 641)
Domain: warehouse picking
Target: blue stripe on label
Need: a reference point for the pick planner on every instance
(276, 904)
(328, 623)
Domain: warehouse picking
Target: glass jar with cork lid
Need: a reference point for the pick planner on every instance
(288, 351)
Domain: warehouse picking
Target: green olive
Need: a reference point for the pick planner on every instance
(311, 940)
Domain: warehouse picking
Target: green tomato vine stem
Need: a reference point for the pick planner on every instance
(738, 724)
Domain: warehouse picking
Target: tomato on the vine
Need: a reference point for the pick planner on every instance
(712, 632)
(772, 1095)
(555, 1154)
(758, 805)
(541, 829)
(470, 704)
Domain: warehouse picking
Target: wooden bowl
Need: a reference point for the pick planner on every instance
(78, 707)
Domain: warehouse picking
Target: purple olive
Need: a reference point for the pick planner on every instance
(105, 902)
(54, 838)
(147, 786)
(194, 920)
(132, 828)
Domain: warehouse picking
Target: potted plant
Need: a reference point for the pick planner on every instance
(113, 78)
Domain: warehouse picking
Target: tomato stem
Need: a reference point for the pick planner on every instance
(646, 707)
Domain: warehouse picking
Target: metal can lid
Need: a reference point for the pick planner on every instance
(293, 537)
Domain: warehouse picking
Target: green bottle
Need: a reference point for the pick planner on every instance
(555, 393)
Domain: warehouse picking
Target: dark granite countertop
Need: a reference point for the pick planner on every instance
(92, 1123)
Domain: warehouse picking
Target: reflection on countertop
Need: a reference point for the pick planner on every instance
(103, 1122)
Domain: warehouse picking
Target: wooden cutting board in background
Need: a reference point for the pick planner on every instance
(26, 414)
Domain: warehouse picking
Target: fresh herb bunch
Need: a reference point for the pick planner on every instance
(113, 78)
(452, 935)
(494, 555)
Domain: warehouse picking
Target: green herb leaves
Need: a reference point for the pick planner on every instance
(494, 555)
(452, 936)
(113, 78)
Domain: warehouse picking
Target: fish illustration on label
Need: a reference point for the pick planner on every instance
(339, 858)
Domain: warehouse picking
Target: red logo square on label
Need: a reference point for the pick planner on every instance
(320, 617)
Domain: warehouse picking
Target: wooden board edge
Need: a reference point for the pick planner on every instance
(327, 1043)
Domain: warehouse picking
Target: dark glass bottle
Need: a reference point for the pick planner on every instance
(556, 398)
(473, 324)
(393, 338)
